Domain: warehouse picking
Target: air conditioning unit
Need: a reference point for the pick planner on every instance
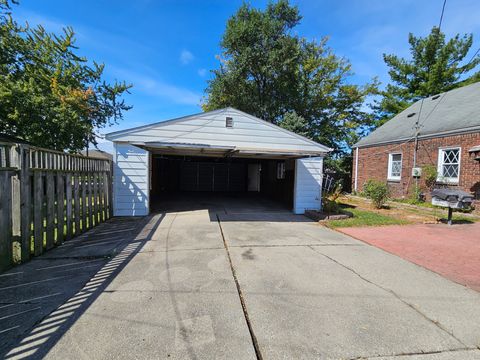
(416, 172)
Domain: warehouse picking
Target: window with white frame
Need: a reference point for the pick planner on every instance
(394, 166)
(281, 170)
(448, 165)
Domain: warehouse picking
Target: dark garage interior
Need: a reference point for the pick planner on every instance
(193, 176)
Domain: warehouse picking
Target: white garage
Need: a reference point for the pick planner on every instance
(215, 153)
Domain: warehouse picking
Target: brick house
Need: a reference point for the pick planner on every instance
(448, 139)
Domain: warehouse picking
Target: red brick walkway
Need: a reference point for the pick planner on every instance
(451, 251)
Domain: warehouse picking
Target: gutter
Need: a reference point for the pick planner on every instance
(470, 130)
(356, 168)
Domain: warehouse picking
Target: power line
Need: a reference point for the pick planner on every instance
(474, 56)
(441, 16)
(418, 124)
(417, 132)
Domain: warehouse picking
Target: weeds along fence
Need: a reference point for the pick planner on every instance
(47, 197)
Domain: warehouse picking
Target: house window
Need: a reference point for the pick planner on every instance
(281, 170)
(394, 166)
(448, 165)
(229, 122)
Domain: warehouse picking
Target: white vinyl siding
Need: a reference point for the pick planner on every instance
(394, 167)
(449, 165)
(308, 184)
(131, 181)
(209, 128)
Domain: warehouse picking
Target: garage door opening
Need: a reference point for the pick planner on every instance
(189, 180)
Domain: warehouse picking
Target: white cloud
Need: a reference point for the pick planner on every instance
(202, 72)
(174, 93)
(186, 57)
(151, 85)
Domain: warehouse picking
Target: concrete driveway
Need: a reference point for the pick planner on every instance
(236, 282)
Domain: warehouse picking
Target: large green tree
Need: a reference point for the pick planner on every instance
(269, 71)
(435, 66)
(49, 95)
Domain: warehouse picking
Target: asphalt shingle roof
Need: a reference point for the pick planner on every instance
(450, 112)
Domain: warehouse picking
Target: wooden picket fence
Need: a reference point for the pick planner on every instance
(47, 197)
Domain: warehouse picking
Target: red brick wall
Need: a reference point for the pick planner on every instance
(373, 163)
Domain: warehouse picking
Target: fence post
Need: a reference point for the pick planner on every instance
(50, 207)
(5, 220)
(38, 212)
(95, 196)
(84, 199)
(76, 201)
(26, 203)
(15, 158)
(101, 189)
(68, 198)
(110, 189)
(60, 207)
(105, 195)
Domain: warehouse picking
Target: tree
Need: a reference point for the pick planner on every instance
(50, 96)
(435, 67)
(258, 59)
(295, 123)
(268, 71)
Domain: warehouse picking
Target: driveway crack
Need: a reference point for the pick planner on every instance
(413, 354)
(397, 296)
(240, 295)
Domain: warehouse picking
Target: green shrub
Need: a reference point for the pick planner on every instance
(416, 195)
(330, 206)
(430, 174)
(330, 203)
(369, 187)
(377, 191)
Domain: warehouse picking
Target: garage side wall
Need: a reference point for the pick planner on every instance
(308, 184)
(131, 181)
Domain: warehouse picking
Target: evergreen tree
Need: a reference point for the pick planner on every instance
(295, 123)
(436, 66)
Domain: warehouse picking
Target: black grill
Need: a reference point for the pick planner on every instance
(451, 199)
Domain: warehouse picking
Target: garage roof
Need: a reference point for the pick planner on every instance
(209, 134)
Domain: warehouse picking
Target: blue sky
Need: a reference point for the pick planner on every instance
(166, 48)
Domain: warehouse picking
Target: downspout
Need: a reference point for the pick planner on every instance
(356, 169)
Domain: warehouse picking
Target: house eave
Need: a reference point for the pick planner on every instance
(420, 137)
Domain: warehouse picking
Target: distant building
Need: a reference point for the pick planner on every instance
(12, 139)
(448, 138)
(99, 154)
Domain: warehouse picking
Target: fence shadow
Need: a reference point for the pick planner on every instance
(37, 341)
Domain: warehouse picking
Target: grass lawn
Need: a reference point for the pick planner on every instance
(425, 204)
(394, 213)
(364, 218)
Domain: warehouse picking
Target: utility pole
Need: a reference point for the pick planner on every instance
(415, 149)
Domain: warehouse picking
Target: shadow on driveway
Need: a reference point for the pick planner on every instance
(54, 290)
